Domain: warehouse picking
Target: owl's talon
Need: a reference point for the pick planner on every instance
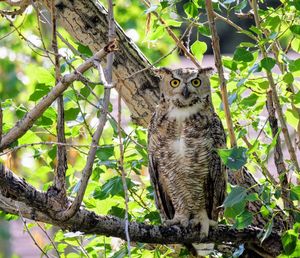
(182, 220)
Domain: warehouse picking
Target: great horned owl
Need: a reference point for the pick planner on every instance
(184, 134)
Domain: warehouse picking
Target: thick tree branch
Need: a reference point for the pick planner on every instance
(27, 121)
(17, 195)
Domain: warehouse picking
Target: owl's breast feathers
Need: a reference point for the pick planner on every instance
(182, 156)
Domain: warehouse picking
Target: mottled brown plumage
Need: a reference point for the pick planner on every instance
(186, 172)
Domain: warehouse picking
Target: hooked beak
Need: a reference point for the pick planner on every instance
(185, 92)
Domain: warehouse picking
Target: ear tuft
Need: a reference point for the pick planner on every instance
(207, 70)
(163, 71)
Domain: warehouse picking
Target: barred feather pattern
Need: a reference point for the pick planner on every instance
(184, 134)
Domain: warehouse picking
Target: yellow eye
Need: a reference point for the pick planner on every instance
(196, 82)
(174, 83)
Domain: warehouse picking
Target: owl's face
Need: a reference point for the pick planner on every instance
(185, 86)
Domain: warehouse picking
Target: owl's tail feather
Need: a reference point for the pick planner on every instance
(200, 249)
(191, 249)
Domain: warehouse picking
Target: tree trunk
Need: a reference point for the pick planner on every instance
(87, 23)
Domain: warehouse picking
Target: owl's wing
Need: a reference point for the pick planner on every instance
(162, 200)
(217, 179)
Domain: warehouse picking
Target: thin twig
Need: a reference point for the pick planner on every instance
(49, 238)
(71, 145)
(31, 236)
(82, 114)
(234, 25)
(218, 63)
(82, 248)
(121, 167)
(163, 57)
(59, 181)
(173, 36)
(264, 169)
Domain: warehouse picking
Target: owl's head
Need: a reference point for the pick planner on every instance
(185, 86)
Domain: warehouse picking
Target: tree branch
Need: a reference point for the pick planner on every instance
(29, 118)
(218, 63)
(62, 165)
(17, 195)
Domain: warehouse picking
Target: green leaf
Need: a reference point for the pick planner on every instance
(249, 101)
(288, 78)
(252, 197)
(296, 3)
(273, 22)
(235, 210)
(243, 220)
(85, 50)
(198, 48)
(241, 6)
(264, 211)
(153, 216)
(268, 63)
(44, 76)
(255, 30)
(173, 23)
(292, 117)
(105, 152)
(289, 241)
(242, 54)
(294, 65)
(296, 44)
(164, 4)
(190, 9)
(237, 195)
(268, 231)
(41, 89)
(158, 33)
(204, 30)
(118, 212)
(295, 193)
(295, 29)
(113, 186)
(233, 158)
(71, 114)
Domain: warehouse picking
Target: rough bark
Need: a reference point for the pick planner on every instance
(87, 22)
(17, 196)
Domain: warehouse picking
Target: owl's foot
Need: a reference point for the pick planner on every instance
(183, 220)
(202, 219)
